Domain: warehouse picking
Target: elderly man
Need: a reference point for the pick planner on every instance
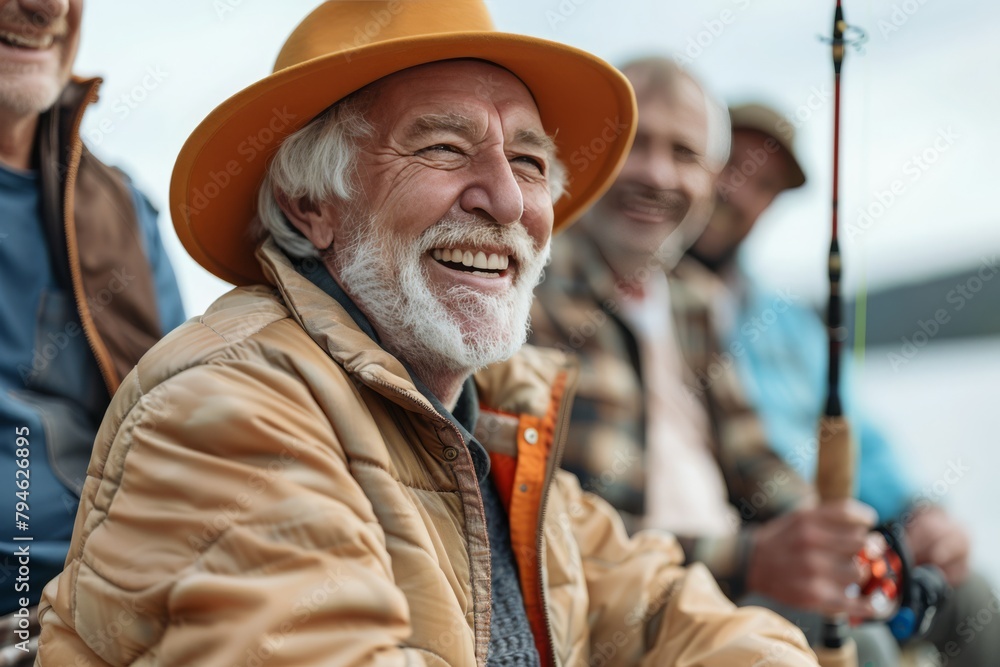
(310, 473)
(783, 367)
(660, 427)
(86, 289)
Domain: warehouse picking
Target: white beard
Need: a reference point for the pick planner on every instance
(458, 330)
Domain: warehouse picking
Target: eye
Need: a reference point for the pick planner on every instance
(685, 154)
(533, 161)
(440, 148)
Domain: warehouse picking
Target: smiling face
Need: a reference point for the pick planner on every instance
(458, 139)
(746, 188)
(450, 229)
(666, 176)
(38, 43)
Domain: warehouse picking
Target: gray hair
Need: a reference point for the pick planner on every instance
(318, 163)
(660, 75)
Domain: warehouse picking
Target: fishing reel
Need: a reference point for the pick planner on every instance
(893, 582)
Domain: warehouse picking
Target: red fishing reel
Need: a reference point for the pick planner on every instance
(883, 571)
(907, 597)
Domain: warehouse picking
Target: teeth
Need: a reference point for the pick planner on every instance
(27, 42)
(479, 259)
(485, 274)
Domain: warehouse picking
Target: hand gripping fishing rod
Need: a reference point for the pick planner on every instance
(891, 576)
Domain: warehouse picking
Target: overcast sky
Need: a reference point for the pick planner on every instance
(928, 74)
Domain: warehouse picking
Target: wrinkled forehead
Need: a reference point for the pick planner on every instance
(463, 87)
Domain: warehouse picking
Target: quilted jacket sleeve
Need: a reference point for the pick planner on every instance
(222, 527)
(645, 609)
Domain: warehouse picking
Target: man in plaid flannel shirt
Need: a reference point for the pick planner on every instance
(660, 427)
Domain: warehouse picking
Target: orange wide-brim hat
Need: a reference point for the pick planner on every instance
(584, 103)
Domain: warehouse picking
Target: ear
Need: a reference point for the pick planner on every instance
(316, 222)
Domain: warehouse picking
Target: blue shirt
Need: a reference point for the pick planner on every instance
(50, 383)
(780, 347)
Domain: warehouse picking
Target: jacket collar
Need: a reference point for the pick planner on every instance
(56, 137)
(466, 411)
(316, 273)
(331, 326)
(522, 384)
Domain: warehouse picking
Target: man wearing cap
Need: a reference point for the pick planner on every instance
(660, 427)
(782, 365)
(313, 472)
(85, 289)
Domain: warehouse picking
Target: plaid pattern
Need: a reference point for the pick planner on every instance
(577, 310)
(10, 654)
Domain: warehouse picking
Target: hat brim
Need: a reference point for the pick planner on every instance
(585, 103)
(765, 120)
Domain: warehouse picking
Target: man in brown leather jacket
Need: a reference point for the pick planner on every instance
(86, 290)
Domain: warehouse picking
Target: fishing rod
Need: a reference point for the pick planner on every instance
(835, 462)
(891, 577)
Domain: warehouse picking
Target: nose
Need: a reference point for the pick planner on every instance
(657, 169)
(44, 12)
(493, 191)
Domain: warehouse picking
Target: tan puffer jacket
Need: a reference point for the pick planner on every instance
(269, 487)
